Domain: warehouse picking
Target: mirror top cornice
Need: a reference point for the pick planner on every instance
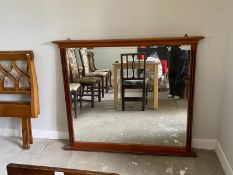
(128, 42)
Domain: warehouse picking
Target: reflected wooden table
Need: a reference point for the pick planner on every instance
(149, 65)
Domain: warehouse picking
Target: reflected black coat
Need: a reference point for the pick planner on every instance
(178, 69)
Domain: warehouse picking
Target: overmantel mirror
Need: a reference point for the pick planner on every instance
(130, 95)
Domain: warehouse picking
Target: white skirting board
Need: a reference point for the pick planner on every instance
(223, 160)
(210, 144)
(39, 134)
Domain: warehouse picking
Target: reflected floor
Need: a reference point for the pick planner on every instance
(165, 126)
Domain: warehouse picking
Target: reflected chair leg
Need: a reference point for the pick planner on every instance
(99, 92)
(80, 97)
(25, 134)
(143, 99)
(83, 90)
(106, 83)
(123, 98)
(102, 86)
(110, 79)
(30, 131)
(75, 104)
(92, 95)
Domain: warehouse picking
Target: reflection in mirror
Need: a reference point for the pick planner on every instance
(100, 118)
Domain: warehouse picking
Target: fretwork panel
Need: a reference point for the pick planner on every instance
(14, 76)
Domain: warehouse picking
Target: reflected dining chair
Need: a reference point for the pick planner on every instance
(91, 82)
(75, 90)
(87, 70)
(131, 79)
(94, 69)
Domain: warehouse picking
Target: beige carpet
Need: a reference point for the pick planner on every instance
(49, 153)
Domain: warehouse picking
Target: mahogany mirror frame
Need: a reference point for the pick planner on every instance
(123, 147)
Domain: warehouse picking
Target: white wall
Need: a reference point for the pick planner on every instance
(106, 56)
(27, 24)
(226, 129)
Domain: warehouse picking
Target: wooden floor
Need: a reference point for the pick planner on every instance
(49, 153)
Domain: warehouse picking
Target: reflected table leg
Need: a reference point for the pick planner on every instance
(115, 87)
(155, 86)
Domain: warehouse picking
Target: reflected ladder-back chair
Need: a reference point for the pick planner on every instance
(94, 69)
(18, 77)
(91, 82)
(87, 70)
(131, 65)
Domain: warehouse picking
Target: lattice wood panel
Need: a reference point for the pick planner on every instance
(14, 76)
